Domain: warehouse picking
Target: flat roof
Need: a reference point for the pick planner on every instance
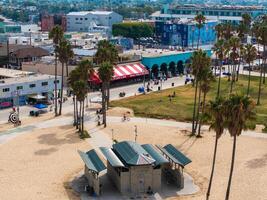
(12, 73)
(96, 12)
(28, 78)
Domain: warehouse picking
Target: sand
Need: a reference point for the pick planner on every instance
(38, 165)
(250, 177)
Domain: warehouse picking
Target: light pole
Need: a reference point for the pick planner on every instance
(112, 135)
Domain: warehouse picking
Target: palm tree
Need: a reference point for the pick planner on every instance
(238, 110)
(250, 56)
(199, 61)
(80, 86)
(227, 30)
(200, 19)
(205, 87)
(262, 39)
(105, 72)
(215, 110)
(56, 34)
(219, 31)
(219, 51)
(234, 55)
(64, 54)
(106, 52)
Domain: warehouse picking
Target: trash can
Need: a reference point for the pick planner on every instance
(172, 84)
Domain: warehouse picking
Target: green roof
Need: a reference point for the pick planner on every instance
(92, 161)
(132, 153)
(159, 158)
(111, 157)
(176, 155)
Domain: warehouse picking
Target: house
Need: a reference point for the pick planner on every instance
(21, 53)
(135, 169)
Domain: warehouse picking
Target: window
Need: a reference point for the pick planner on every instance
(32, 85)
(81, 18)
(6, 90)
(57, 81)
(19, 87)
(85, 18)
(77, 18)
(44, 83)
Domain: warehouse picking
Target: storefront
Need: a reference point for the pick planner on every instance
(124, 74)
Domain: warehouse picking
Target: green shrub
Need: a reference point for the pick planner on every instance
(85, 135)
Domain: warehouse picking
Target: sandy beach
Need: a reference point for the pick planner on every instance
(40, 164)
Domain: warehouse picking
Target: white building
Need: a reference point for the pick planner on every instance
(83, 21)
(25, 85)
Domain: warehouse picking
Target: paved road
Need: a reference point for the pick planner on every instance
(130, 90)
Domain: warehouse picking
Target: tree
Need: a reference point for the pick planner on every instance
(64, 54)
(239, 110)
(227, 30)
(199, 61)
(261, 34)
(234, 55)
(219, 31)
(200, 19)
(56, 34)
(106, 52)
(220, 53)
(82, 72)
(250, 56)
(215, 111)
(206, 80)
(134, 30)
(105, 72)
(80, 86)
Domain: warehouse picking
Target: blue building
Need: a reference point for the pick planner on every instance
(184, 33)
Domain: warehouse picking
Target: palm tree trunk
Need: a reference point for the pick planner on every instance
(194, 110)
(212, 169)
(232, 81)
(202, 113)
(264, 67)
(108, 94)
(198, 108)
(249, 77)
(231, 170)
(55, 99)
(67, 69)
(61, 91)
(219, 82)
(198, 39)
(82, 116)
(77, 114)
(238, 69)
(74, 111)
(104, 103)
(259, 91)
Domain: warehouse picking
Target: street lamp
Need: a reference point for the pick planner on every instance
(135, 131)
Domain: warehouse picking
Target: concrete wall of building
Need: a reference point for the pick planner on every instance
(156, 180)
(93, 180)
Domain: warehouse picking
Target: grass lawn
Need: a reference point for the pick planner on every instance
(157, 104)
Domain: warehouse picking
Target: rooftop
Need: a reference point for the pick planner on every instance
(82, 13)
(12, 73)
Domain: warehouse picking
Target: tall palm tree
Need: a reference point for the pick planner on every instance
(219, 31)
(250, 56)
(106, 52)
(220, 53)
(238, 111)
(80, 86)
(199, 62)
(105, 72)
(262, 39)
(65, 53)
(215, 111)
(235, 44)
(227, 30)
(200, 19)
(56, 34)
(205, 87)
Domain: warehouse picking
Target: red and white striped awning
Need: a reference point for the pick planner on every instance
(123, 71)
(129, 70)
